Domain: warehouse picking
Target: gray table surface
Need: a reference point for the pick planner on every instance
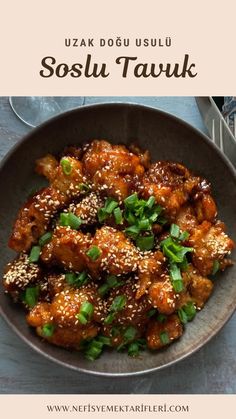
(211, 370)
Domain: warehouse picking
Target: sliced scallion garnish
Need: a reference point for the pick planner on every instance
(68, 219)
(164, 337)
(48, 330)
(34, 254)
(66, 166)
(145, 243)
(93, 253)
(30, 296)
(46, 238)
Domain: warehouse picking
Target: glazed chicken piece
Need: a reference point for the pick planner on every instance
(112, 168)
(149, 268)
(117, 254)
(47, 166)
(162, 295)
(65, 177)
(211, 244)
(62, 315)
(67, 249)
(20, 274)
(197, 288)
(205, 208)
(133, 312)
(87, 208)
(35, 216)
(56, 284)
(171, 184)
(186, 218)
(160, 334)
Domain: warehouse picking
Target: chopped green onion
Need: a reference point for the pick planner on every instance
(129, 333)
(103, 290)
(184, 236)
(161, 318)
(87, 309)
(151, 312)
(82, 279)
(133, 349)
(118, 303)
(190, 310)
(178, 286)
(182, 315)
(70, 278)
(105, 340)
(174, 231)
(95, 347)
(85, 313)
(112, 282)
(171, 255)
(144, 224)
(175, 272)
(216, 267)
(34, 254)
(30, 296)
(48, 330)
(94, 350)
(187, 312)
(150, 202)
(145, 242)
(45, 239)
(136, 346)
(102, 215)
(184, 265)
(110, 205)
(70, 220)
(93, 253)
(76, 279)
(132, 231)
(131, 200)
(66, 166)
(118, 215)
(109, 319)
(106, 211)
(164, 337)
(130, 217)
(82, 319)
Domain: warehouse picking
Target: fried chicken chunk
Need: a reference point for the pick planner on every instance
(20, 274)
(197, 288)
(112, 168)
(162, 296)
(149, 268)
(87, 208)
(35, 216)
(61, 315)
(210, 243)
(67, 249)
(117, 255)
(171, 328)
(170, 183)
(131, 312)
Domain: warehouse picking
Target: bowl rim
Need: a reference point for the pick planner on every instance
(207, 141)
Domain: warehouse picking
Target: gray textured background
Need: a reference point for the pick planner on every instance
(210, 370)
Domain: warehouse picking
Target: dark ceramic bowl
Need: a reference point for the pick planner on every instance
(167, 138)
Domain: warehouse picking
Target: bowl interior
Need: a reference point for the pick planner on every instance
(167, 138)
